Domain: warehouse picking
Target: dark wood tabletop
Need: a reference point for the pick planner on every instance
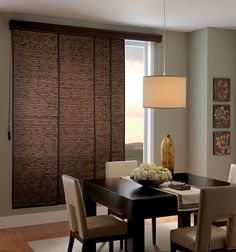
(139, 203)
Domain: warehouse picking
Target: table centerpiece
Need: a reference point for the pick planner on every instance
(149, 174)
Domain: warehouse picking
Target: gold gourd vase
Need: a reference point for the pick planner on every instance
(167, 153)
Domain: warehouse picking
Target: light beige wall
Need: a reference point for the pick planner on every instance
(173, 121)
(221, 63)
(5, 145)
(197, 102)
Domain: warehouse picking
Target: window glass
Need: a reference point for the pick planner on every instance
(134, 112)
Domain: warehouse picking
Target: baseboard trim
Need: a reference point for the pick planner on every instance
(39, 218)
(32, 219)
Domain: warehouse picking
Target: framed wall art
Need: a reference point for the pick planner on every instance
(221, 89)
(221, 143)
(221, 116)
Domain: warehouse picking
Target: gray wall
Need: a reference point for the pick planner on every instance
(221, 63)
(212, 53)
(173, 121)
(197, 102)
(5, 145)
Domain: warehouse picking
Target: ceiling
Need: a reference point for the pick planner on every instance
(181, 15)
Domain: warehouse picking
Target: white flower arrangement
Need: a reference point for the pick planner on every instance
(148, 171)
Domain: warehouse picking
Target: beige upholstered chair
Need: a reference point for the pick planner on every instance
(215, 202)
(232, 180)
(89, 230)
(120, 168)
(123, 168)
(115, 169)
(232, 174)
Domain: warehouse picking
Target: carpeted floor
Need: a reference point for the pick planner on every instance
(60, 244)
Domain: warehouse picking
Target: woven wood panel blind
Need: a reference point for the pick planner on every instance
(68, 112)
(76, 108)
(35, 119)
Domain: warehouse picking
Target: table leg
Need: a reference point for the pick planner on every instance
(136, 229)
(184, 219)
(90, 206)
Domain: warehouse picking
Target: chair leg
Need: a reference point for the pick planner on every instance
(195, 219)
(110, 246)
(71, 243)
(84, 247)
(125, 245)
(172, 247)
(121, 244)
(154, 231)
(88, 246)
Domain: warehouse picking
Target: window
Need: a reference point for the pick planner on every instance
(137, 119)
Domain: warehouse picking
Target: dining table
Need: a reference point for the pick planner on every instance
(138, 202)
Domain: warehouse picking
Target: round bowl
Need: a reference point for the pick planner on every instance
(149, 183)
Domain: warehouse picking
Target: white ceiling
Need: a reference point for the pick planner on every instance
(184, 15)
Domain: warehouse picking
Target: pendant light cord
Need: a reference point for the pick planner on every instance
(164, 40)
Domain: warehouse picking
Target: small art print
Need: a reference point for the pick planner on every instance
(221, 116)
(221, 89)
(221, 143)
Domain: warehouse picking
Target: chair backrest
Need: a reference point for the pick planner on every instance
(232, 174)
(216, 202)
(75, 205)
(120, 168)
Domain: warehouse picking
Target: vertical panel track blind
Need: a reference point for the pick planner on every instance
(76, 155)
(68, 106)
(68, 112)
(35, 129)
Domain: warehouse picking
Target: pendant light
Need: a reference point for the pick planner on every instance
(164, 91)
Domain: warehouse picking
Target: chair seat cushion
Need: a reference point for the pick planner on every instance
(186, 237)
(105, 225)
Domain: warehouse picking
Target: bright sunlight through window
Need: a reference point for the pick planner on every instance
(135, 55)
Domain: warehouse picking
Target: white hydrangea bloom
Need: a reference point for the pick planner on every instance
(150, 171)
